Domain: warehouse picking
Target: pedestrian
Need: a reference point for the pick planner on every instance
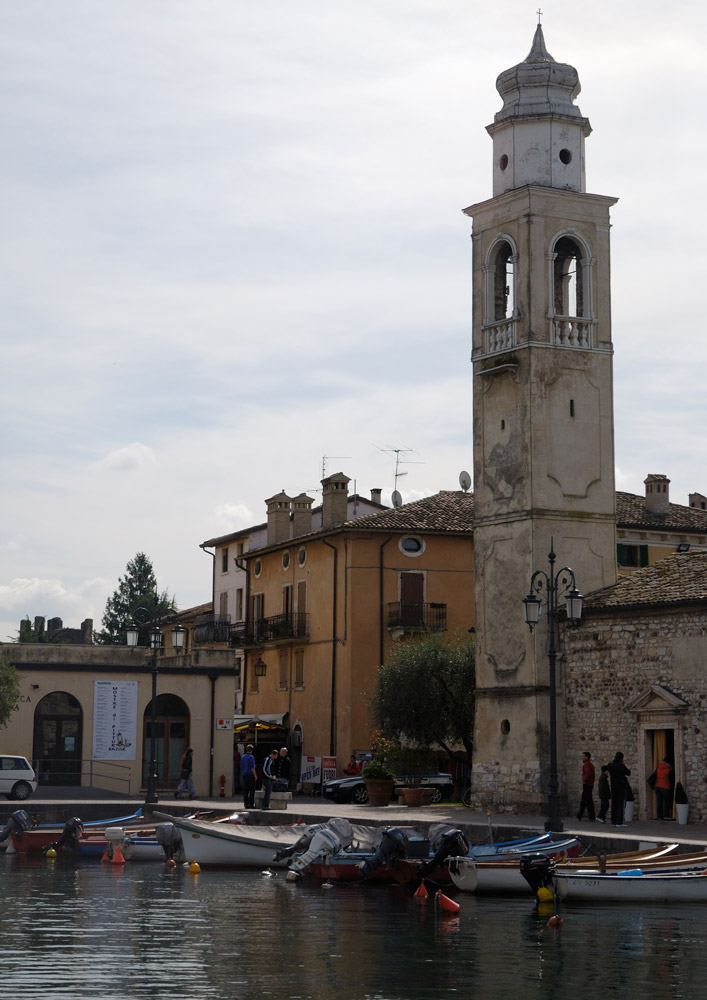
(353, 767)
(604, 795)
(248, 777)
(236, 769)
(185, 779)
(267, 778)
(588, 775)
(282, 771)
(661, 781)
(618, 773)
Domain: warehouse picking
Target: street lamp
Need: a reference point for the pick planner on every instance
(555, 584)
(155, 634)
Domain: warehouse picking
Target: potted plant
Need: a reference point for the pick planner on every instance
(412, 763)
(378, 778)
(681, 805)
(628, 804)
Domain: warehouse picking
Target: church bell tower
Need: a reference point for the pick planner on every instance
(543, 411)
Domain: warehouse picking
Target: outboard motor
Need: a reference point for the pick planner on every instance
(537, 870)
(334, 836)
(18, 822)
(70, 835)
(169, 837)
(392, 848)
(447, 843)
(301, 844)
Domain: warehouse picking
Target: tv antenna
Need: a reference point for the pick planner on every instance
(465, 481)
(324, 461)
(400, 461)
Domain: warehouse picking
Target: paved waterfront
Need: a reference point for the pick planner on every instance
(65, 802)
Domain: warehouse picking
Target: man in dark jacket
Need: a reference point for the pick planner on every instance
(587, 801)
(618, 773)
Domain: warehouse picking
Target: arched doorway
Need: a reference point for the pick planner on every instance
(171, 739)
(56, 748)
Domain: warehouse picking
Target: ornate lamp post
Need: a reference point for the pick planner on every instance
(555, 584)
(155, 633)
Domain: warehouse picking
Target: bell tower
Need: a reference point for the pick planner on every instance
(543, 411)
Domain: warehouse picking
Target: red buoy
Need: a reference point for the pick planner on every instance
(421, 893)
(555, 922)
(446, 903)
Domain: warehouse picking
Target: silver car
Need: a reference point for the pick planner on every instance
(17, 779)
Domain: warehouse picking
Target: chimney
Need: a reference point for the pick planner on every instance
(657, 493)
(335, 495)
(302, 515)
(278, 518)
(87, 632)
(698, 500)
(376, 496)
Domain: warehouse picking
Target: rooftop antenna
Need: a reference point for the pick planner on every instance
(324, 461)
(400, 461)
(465, 481)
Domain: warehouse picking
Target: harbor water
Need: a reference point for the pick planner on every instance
(89, 930)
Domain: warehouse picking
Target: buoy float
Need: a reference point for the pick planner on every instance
(51, 853)
(421, 893)
(194, 868)
(171, 864)
(117, 858)
(545, 895)
(446, 903)
(555, 922)
(106, 856)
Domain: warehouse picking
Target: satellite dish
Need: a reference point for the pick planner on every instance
(465, 481)
(396, 499)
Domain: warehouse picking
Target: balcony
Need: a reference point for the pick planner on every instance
(416, 615)
(211, 628)
(274, 629)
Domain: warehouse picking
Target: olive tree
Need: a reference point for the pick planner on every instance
(425, 694)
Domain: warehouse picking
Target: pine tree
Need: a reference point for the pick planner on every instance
(137, 589)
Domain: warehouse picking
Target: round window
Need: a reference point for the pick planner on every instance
(301, 557)
(258, 567)
(503, 162)
(565, 156)
(411, 545)
(285, 560)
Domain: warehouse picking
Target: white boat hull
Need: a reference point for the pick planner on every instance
(653, 888)
(234, 846)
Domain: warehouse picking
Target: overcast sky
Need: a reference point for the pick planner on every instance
(232, 244)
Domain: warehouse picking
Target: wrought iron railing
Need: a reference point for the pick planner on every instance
(288, 626)
(417, 615)
(211, 628)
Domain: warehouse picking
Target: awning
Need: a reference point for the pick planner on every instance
(260, 722)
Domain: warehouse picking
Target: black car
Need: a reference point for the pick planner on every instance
(353, 789)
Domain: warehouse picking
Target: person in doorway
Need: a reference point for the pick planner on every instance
(267, 778)
(618, 773)
(248, 777)
(663, 788)
(282, 771)
(588, 776)
(604, 796)
(186, 783)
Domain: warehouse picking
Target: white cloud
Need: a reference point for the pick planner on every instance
(132, 457)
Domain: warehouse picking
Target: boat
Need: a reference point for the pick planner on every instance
(230, 845)
(504, 874)
(36, 839)
(633, 885)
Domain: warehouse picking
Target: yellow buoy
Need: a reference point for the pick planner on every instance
(194, 868)
(51, 853)
(545, 895)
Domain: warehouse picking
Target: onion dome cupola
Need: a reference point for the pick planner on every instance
(538, 135)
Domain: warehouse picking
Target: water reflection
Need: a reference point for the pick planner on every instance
(92, 930)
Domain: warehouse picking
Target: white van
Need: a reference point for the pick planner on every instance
(17, 779)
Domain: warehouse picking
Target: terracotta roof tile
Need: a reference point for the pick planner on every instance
(676, 579)
(448, 510)
(631, 513)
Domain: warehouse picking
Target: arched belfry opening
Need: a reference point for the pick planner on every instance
(570, 285)
(501, 313)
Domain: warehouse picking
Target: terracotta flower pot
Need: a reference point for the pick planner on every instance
(379, 791)
(413, 796)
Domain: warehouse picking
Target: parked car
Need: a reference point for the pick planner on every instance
(353, 789)
(17, 779)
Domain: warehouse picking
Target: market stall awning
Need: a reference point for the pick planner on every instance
(241, 723)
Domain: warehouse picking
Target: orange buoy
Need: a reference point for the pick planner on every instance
(106, 855)
(446, 903)
(421, 893)
(118, 858)
(171, 864)
(555, 922)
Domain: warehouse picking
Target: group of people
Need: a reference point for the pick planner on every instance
(613, 787)
(275, 774)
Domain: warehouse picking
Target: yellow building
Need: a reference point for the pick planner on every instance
(325, 609)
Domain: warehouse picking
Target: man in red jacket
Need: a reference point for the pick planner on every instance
(588, 776)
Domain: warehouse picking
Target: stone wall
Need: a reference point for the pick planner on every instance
(613, 661)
